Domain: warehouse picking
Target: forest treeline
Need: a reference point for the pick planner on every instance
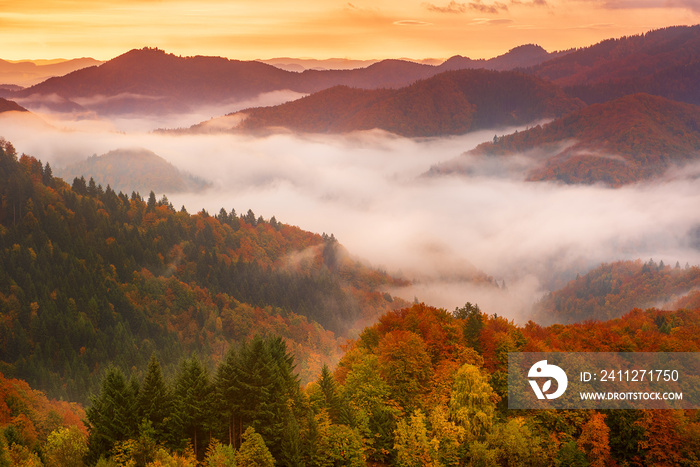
(611, 290)
(90, 277)
(631, 139)
(421, 387)
(454, 102)
(662, 62)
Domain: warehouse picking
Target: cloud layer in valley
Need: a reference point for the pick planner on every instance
(368, 190)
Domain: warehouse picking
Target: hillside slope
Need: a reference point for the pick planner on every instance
(450, 103)
(151, 81)
(29, 73)
(9, 106)
(627, 140)
(89, 277)
(664, 62)
(130, 170)
(611, 290)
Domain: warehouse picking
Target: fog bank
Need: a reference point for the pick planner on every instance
(367, 189)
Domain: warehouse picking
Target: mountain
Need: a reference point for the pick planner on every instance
(90, 277)
(133, 170)
(151, 81)
(663, 62)
(523, 56)
(301, 64)
(453, 102)
(28, 73)
(627, 140)
(611, 290)
(9, 106)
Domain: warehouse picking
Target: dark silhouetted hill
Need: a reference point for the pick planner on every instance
(28, 73)
(8, 106)
(664, 62)
(611, 290)
(627, 140)
(450, 103)
(152, 81)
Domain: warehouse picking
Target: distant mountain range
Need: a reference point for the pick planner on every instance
(520, 57)
(633, 138)
(405, 97)
(301, 64)
(133, 170)
(28, 73)
(453, 102)
(151, 81)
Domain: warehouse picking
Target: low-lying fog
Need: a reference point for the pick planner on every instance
(367, 189)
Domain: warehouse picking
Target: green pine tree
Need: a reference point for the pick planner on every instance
(111, 415)
(264, 388)
(290, 455)
(331, 402)
(155, 403)
(194, 400)
(226, 386)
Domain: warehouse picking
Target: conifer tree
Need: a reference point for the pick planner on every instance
(290, 449)
(331, 402)
(194, 398)
(264, 388)
(111, 415)
(155, 402)
(226, 384)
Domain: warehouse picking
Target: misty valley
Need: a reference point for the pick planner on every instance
(216, 262)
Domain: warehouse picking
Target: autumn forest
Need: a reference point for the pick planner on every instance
(145, 322)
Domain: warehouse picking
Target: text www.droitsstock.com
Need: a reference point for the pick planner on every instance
(631, 396)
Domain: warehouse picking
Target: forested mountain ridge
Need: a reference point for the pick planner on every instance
(611, 290)
(624, 141)
(523, 56)
(662, 62)
(8, 106)
(152, 81)
(450, 103)
(28, 72)
(89, 277)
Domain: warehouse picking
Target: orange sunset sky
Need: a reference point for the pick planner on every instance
(359, 29)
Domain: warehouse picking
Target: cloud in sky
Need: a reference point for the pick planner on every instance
(491, 21)
(651, 4)
(458, 8)
(411, 22)
(529, 3)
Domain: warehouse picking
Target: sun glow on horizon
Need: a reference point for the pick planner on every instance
(359, 30)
